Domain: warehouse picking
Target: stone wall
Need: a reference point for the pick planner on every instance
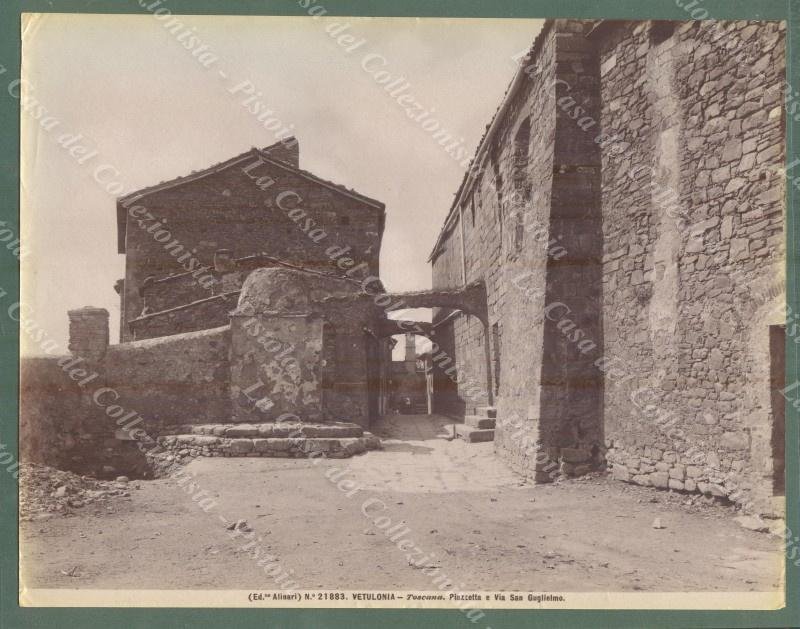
(303, 344)
(529, 218)
(210, 312)
(182, 288)
(52, 426)
(693, 240)
(644, 306)
(61, 426)
(485, 219)
(179, 379)
(79, 414)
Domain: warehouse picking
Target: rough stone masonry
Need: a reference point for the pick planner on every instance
(625, 209)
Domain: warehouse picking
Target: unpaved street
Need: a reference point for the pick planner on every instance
(481, 524)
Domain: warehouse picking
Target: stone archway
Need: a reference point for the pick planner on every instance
(471, 300)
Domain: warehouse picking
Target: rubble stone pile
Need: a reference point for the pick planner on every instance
(45, 490)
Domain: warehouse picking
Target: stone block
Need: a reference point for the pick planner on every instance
(353, 445)
(320, 445)
(474, 435)
(241, 430)
(717, 490)
(677, 472)
(659, 479)
(752, 523)
(240, 446)
(476, 421)
(675, 484)
(732, 150)
(734, 441)
(205, 440)
(692, 471)
(371, 442)
(261, 445)
(265, 430)
(620, 472)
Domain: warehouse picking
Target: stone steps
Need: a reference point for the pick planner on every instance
(478, 421)
(479, 426)
(334, 440)
(470, 434)
(269, 429)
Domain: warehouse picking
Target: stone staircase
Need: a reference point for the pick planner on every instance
(478, 427)
(336, 440)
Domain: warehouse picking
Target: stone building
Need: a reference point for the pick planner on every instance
(190, 242)
(624, 212)
(253, 323)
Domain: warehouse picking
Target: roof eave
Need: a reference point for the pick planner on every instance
(480, 152)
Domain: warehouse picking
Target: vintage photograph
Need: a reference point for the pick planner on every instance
(469, 314)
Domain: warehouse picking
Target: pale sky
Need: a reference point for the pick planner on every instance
(153, 112)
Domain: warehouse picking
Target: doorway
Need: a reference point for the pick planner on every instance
(777, 363)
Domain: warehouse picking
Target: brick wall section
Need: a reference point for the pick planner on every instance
(687, 277)
(228, 210)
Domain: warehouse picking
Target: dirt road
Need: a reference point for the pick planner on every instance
(459, 506)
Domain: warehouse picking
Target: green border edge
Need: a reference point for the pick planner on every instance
(13, 616)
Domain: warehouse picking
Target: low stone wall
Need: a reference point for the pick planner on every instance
(176, 379)
(277, 440)
(83, 415)
(52, 420)
(60, 425)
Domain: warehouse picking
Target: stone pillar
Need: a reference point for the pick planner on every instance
(88, 333)
(119, 288)
(411, 352)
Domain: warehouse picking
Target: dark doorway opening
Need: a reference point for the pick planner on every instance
(777, 362)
